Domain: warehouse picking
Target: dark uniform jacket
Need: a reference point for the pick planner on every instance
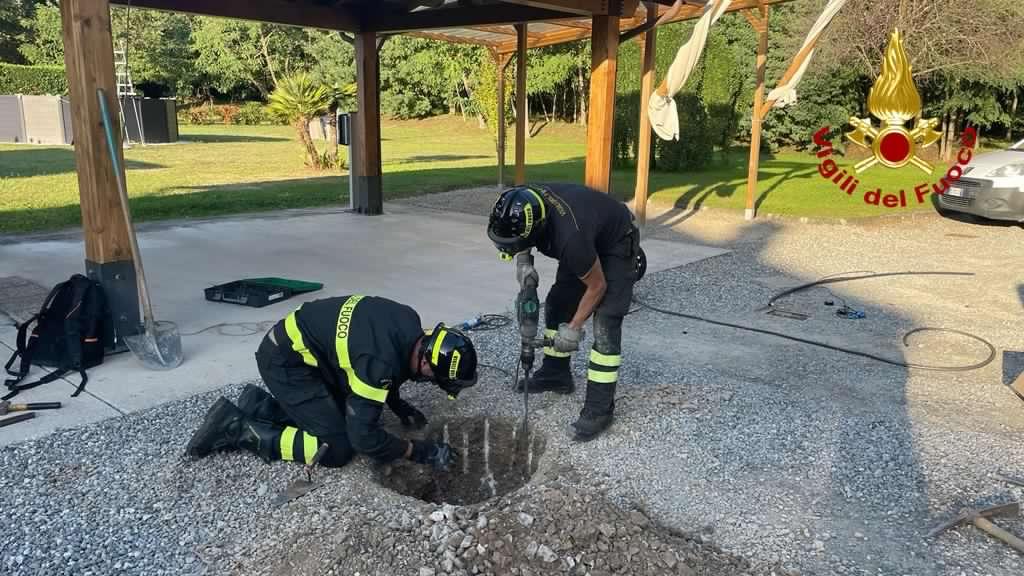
(362, 347)
(583, 225)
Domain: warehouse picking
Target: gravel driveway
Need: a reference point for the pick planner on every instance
(733, 452)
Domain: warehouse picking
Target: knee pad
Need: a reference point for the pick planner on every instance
(607, 334)
(339, 452)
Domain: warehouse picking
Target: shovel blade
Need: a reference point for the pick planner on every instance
(295, 490)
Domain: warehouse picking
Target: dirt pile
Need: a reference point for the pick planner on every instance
(552, 528)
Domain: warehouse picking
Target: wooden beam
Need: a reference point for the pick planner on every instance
(501, 62)
(369, 195)
(601, 114)
(581, 7)
(392, 21)
(447, 38)
(648, 42)
(755, 128)
(89, 65)
(505, 31)
(521, 120)
(795, 65)
(309, 15)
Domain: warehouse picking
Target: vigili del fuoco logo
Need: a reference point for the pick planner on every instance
(895, 102)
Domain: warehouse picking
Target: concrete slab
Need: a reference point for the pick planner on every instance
(83, 409)
(441, 264)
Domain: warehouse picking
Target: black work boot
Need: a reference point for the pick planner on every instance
(261, 405)
(598, 411)
(226, 427)
(552, 376)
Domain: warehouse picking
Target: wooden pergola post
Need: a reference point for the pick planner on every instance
(500, 63)
(89, 65)
(643, 156)
(604, 43)
(521, 123)
(369, 192)
(760, 25)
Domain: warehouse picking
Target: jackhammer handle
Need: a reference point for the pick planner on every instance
(997, 532)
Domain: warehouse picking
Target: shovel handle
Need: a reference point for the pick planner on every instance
(15, 419)
(36, 406)
(319, 454)
(997, 532)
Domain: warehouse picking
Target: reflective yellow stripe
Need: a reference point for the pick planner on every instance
(543, 209)
(549, 351)
(610, 360)
(436, 354)
(602, 377)
(341, 346)
(309, 446)
(287, 441)
(292, 328)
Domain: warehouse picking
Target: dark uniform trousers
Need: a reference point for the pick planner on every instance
(301, 390)
(564, 297)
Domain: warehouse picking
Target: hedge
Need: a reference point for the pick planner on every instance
(40, 80)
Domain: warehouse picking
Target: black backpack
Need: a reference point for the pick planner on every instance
(68, 335)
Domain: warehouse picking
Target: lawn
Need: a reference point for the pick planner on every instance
(233, 169)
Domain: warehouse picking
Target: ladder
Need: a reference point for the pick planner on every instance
(125, 88)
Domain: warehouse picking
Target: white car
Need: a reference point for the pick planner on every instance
(992, 186)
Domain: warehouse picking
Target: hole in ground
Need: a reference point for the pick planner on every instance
(494, 460)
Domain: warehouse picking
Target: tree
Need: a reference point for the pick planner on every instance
(297, 100)
(41, 40)
(247, 58)
(13, 16)
(342, 97)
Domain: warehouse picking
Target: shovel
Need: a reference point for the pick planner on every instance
(158, 344)
(301, 487)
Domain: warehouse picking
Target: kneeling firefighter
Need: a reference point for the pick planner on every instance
(597, 245)
(331, 366)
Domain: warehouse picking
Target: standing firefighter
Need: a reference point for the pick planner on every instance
(331, 367)
(599, 259)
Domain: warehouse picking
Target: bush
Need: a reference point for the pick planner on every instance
(252, 114)
(36, 80)
(228, 113)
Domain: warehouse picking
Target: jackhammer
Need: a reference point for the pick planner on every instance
(528, 317)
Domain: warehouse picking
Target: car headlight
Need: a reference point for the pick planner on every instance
(1008, 171)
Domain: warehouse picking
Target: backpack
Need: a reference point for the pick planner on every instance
(68, 335)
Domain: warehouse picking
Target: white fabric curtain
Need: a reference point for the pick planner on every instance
(786, 94)
(662, 109)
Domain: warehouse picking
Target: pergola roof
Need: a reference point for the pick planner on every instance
(487, 23)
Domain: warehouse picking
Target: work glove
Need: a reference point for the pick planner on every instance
(525, 269)
(567, 339)
(408, 414)
(438, 455)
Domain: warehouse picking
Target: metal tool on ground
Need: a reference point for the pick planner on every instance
(16, 418)
(158, 344)
(980, 518)
(303, 486)
(6, 406)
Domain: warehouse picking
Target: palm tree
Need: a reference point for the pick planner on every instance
(342, 97)
(298, 99)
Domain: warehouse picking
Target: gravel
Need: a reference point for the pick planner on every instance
(732, 452)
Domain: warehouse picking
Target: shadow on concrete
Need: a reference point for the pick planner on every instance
(228, 138)
(42, 161)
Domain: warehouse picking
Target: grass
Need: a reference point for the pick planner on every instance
(234, 169)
